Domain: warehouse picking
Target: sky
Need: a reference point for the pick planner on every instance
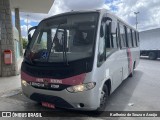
(148, 17)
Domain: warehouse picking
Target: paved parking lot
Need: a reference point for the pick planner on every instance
(139, 93)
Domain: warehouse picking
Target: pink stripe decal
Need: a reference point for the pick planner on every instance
(75, 80)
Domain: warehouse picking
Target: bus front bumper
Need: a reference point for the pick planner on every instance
(86, 100)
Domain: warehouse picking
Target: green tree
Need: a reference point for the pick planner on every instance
(25, 42)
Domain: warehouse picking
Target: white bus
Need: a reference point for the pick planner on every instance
(75, 60)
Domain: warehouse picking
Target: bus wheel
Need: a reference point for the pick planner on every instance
(103, 99)
(131, 74)
(152, 56)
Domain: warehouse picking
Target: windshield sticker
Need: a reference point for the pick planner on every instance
(44, 55)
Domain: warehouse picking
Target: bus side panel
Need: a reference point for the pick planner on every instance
(135, 54)
(114, 64)
(124, 62)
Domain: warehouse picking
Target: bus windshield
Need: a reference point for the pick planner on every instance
(68, 37)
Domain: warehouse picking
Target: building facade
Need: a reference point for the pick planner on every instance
(10, 37)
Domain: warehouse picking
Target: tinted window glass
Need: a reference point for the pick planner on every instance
(111, 38)
(122, 36)
(134, 38)
(137, 35)
(101, 46)
(129, 37)
(114, 40)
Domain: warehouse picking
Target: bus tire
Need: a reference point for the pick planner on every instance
(152, 56)
(134, 66)
(131, 74)
(103, 99)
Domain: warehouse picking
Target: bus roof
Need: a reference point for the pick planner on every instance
(73, 12)
(91, 11)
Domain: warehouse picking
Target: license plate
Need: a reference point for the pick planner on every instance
(48, 105)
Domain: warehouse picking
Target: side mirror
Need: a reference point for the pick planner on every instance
(29, 34)
(101, 31)
(29, 38)
(32, 28)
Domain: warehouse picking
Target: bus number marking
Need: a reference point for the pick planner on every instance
(54, 86)
(56, 81)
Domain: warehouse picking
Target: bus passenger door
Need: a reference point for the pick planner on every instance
(123, 44)
(112, 53)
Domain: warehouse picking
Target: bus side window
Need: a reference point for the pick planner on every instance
(129, 38)
(118, 35)
(101, 46)
(110, 38)
(132, 38)
(107, 34)
(136, 38)
(122, 36)
(114, 39)
(137, 34)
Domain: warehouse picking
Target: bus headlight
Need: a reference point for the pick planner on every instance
(82, 87)
(24, 83)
